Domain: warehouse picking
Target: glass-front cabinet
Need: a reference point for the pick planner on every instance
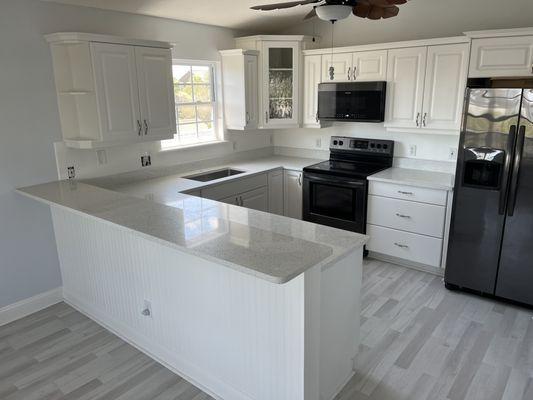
(280, 83)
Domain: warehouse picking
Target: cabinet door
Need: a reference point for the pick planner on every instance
(117, 92)
(405, 87)
(280, 80)
(251, 91)
(293, 194)
(156, 92)
(444, 88)
(342, 67)
(370, 65)
(504, 56)
(275, 192)
(256, 199)
(312, 78)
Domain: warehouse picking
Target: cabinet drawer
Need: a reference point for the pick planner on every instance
(409, 246)
(235, 186)
(425, 219)
(404, 192)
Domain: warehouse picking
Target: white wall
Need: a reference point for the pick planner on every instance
(30, 122)
(428, 147)
(423, 19)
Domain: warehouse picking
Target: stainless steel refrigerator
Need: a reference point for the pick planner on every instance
(491, 237)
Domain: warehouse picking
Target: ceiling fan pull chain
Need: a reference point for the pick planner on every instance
(331, 67)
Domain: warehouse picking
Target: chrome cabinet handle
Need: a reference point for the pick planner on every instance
(145, 127)
(140, 127)
(403, 215)
(407, 193)
(349, 75)
(241, 201)
(236, 201)
(316, 117)
(424, 119)
(300, 180)
(418, 119)
(266, 117)
(354, 73)
(401, 246)
(247, 116)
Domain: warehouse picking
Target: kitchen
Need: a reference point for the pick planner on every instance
(224, 158)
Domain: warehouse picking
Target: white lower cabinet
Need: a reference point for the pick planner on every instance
(408, 223)
(409, 246)
(293, 194)
(256, 199)
(275, 192)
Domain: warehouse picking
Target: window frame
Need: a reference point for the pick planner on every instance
(216, 96)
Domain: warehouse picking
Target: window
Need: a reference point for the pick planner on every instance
(196, 110)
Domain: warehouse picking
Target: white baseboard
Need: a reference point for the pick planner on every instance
(29, 306)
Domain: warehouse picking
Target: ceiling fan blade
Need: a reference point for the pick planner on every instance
(362, 10)
(277, 6)
(389, 12)
(377, 9)
(312, 14)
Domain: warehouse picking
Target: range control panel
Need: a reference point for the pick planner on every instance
(359, 145)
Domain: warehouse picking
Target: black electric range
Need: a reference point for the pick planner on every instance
(335, 192)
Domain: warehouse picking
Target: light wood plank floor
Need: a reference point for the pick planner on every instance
(419, 341)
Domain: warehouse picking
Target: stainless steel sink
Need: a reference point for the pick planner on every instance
(212, 175)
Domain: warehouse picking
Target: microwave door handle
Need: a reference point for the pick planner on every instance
(516, 169)
(506, 167)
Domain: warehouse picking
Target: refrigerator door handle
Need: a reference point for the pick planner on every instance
(506, 166)
(516, 169)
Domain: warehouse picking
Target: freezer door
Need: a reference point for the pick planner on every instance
(482, 180)
(515, 276)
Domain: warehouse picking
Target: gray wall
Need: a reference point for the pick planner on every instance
(423, 19)
(29, 122)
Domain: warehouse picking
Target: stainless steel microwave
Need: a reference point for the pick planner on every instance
(352, 101)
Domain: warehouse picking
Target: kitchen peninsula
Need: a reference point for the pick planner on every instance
(243, 303)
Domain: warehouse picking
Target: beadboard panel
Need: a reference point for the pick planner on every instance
(235, 336)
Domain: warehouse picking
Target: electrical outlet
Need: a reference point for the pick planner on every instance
(146, 160)
(147, 309)
(71, 172)
(412, 150)
(101, 157)
(318, 143)
(452, 154)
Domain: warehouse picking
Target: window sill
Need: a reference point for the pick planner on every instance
(194, 146)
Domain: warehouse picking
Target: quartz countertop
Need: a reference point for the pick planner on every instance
(415, 177)
(271, 247)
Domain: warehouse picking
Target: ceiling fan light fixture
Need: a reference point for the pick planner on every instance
(333, 12)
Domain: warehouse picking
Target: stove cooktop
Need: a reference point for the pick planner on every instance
(345, 168)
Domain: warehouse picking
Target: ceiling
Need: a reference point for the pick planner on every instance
(417, 18)
(235, 14)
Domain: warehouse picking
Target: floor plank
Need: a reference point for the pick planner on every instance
(419, 342)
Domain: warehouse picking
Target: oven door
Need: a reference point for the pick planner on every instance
(334, 201)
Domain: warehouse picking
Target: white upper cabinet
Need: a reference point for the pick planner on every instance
(502, 56)
(342, 67)
(405, 86)
(312, 77)
(280, 91)
(112, 90)
(117, 92)
(156, 92)
(370, 65)
(358, 66)
(240, 83)
(444, 88)
(425, 87)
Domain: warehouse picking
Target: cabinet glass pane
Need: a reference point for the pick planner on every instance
(280, 58)
(280, 109)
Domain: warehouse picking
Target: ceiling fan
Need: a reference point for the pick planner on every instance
(334, 10)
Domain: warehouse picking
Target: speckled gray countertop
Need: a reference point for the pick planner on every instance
(415, 177)
(271, 247)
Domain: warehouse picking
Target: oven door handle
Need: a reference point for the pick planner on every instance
(332, 180)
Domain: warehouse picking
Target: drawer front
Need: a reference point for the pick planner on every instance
(409, 246)
(404, 192)
(425, 219)
(235, 186)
